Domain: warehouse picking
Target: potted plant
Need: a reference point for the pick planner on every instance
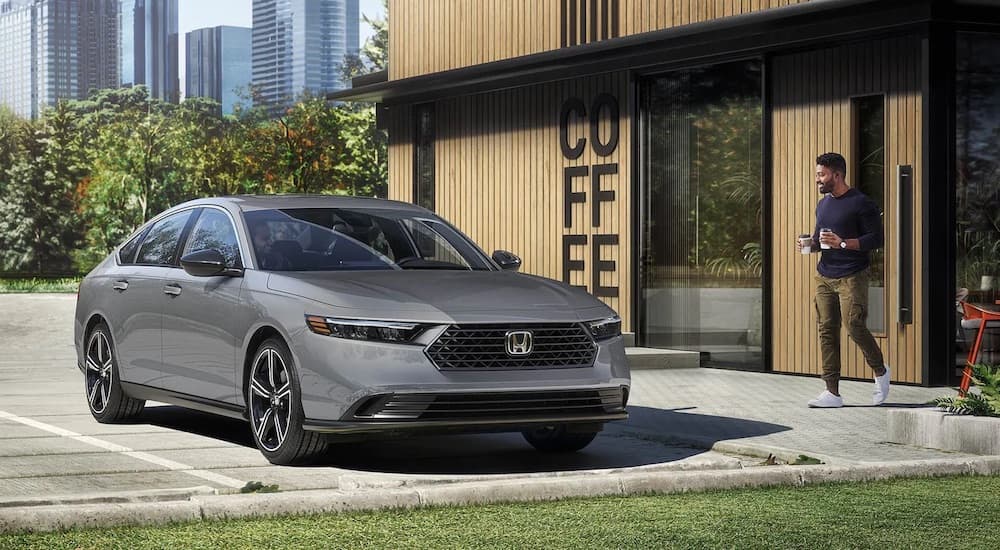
(985, 402)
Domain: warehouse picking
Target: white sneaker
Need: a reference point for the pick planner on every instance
(827, 400)
(881, 388)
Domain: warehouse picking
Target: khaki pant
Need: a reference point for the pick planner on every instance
(848, 295)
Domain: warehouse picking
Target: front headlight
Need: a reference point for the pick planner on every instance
(603, 329)
(360, 329)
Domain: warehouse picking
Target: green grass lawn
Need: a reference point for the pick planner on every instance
(10, 286)
(955, 512)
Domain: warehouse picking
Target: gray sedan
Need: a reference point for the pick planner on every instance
(322, 319)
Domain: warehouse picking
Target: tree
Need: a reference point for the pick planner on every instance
(39, 221)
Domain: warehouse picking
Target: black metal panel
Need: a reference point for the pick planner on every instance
(937, 182)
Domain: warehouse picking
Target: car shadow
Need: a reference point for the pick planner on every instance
(195, 422)
(650, 437)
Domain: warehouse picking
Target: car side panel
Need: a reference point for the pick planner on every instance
(133, 315)
(200, 342)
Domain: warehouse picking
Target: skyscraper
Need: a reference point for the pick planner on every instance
(148, 46)
(218, 64)
(299, 46)
(55, 49)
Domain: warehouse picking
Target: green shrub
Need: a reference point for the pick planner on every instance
(984, 403)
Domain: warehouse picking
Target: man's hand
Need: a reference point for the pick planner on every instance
(830, 239)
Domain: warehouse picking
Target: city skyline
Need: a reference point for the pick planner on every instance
(195, 15)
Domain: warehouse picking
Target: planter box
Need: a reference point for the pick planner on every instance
(940, 430)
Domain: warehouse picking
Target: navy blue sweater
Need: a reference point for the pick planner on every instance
(851, 216)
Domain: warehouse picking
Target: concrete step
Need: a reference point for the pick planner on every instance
(650, 358)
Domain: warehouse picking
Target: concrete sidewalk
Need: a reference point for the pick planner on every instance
(757, 413)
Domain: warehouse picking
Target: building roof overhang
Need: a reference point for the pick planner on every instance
(790, 27)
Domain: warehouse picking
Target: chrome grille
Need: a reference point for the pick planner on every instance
(457, 406)
(483, 347)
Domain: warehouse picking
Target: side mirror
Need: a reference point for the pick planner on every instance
(506, 260)
(207, 263)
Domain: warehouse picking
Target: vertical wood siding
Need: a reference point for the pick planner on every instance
(428, 36)
(811, 115)
(499, 171)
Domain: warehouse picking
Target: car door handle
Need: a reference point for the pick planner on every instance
(173, 290)
(120, 286)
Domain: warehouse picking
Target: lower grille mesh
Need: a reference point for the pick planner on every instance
(456, 406)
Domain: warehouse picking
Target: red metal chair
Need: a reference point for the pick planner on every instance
(984, 315)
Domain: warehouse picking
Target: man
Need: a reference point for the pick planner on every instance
(851, 228)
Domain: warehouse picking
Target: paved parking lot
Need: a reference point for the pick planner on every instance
(51, 449)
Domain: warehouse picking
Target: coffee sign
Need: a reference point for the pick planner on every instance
(573, 147)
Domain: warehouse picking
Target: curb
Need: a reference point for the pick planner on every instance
(215, 507)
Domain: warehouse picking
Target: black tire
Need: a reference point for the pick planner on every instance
(274, 406)
(558, 439)
(106, 399)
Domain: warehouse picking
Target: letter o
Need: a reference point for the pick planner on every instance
(601, 102)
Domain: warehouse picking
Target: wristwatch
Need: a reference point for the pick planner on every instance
(843, 244)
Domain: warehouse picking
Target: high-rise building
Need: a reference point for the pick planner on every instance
(55, 49)
(218, 64)
(299, 46)
(97, 45)
(148, 47)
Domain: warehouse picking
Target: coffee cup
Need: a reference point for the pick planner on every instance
(823, 245)
(805, 243)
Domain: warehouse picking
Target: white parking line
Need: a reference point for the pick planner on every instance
(115, 448)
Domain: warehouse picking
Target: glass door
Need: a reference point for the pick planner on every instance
(702, 222)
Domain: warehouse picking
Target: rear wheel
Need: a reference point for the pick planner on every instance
(274, 397)
(105, 397)
(558, 439)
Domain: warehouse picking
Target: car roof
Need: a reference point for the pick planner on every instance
(248, 203)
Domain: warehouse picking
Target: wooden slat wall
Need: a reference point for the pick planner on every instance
(640, 16)
(499, 172)
(812, 115)
(428, 36)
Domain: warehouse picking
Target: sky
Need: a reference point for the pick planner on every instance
(196, 14)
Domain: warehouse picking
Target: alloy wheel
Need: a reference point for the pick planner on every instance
(270, 399)
(100, 372)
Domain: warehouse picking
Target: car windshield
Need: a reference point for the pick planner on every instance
(338, 239)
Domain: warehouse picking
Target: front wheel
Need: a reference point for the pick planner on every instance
(558, 439)
(274, 397)
(107, 401)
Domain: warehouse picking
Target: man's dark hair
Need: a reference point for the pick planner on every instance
(833, 161)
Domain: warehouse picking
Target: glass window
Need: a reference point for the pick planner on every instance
(337, 239)
(126, 254)
(869, 170)
(213, 230)
(702, 219)
(161, 242)
(423, 161)
(977, 193)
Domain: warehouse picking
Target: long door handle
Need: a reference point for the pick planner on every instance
(120, 286)
(173, 290)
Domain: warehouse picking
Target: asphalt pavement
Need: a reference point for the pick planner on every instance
(688, 429)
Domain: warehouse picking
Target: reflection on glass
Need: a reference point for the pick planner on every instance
(869, 140)
(977, 194)
(702, 213)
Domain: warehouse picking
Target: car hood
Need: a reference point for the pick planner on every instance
(465, 295)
